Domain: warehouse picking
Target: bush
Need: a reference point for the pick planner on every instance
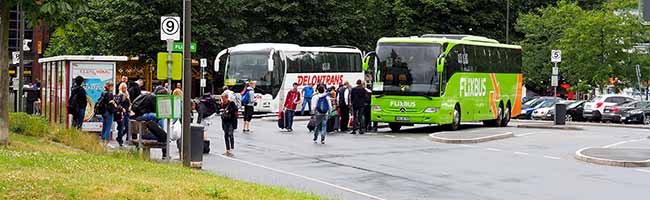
(36, 126)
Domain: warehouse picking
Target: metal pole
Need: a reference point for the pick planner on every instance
(19, 71)
(202, 78)
(555, 87)
(187, 80)
(170, 47)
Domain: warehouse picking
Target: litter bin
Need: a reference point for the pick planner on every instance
(560, 114)
(196, 140)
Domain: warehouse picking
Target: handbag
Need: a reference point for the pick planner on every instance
(312, 123)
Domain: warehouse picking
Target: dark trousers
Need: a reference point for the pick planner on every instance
(359, 119)
(78, 118)
(366, 114)
(122, 129)
(289, 118)
(228, 136)
(345, 117)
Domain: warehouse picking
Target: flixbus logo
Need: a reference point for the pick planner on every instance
(473, 87)
(409, 104)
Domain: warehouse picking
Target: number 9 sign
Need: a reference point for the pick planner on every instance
(170, 28)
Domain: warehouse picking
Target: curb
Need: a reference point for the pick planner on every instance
(550, 126)
(589, 124)
(435, 138)
(609, 162)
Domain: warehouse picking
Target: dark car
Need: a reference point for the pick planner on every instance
(639, 115)
(573, 112)
(615, 112)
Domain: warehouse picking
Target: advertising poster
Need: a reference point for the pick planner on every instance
(96, 75)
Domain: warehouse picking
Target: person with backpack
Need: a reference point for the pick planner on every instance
(344, 106)
(290, 103)
(322, 110)
(248, 100)
(77, 102)
(106, 106)
(229, 123)
(358, 97)
(122, 115)
(307, 93)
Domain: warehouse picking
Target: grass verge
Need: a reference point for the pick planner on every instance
(32, 167)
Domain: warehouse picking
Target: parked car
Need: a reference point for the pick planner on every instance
(571, 104)
(639, 115)
(526, 112)
(544, 109)
(593, 109)
(615, 112)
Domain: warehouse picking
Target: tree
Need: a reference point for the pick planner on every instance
(52, 12)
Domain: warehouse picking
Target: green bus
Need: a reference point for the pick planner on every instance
(444, 80)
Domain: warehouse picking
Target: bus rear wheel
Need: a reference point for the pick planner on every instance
(506, 117)
(394, 127)
(495, 122)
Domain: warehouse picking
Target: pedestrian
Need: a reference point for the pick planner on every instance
(123, 79)
(135, 90)
(344, 106)
(106, 106)
(178, 91)
(358, 99)
(307, 93)
(77, 102)
(333, 119)
(322, 109)
(122, 115)
(248, 100)
(290, 103)
(228, 123)
(366, 110)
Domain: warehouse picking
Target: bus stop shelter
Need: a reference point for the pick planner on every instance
(57, 80)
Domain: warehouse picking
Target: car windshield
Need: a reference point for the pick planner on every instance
(407, 69)
(546, 103)
(531, 102)
(574, 104)
(249, 66)
(628, 104)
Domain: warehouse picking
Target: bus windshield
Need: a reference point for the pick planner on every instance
(243, 67)
(407, 69)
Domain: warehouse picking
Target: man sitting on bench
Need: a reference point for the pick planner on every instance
(144, 108)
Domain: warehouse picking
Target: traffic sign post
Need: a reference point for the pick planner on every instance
(204, 63)
(170, 27)
(556, 57)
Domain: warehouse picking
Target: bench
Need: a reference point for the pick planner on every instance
(137, 128)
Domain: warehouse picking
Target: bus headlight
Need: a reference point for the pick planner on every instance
(376, 108)
(431, 110)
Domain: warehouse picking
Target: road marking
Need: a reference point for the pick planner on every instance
(553, 157)
(467, 145)
(521, 153)
(410, 138)
(643, 170)
(527, 134)
(390, 136)
(493, 149)
(623, 142)
(304, 177)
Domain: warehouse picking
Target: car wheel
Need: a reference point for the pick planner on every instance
(646, 120)
(568, 118)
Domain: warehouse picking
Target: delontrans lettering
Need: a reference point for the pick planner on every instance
(473, 87)
(314, 79)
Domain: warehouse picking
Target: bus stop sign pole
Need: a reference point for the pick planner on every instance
(170, 46)
(187, 80)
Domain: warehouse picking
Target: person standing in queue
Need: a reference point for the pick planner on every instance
(322, 110)
(358, 98)
(229, 122)
(106, 106)
(78, 102)
(307, 93)
(122, 115)
(248, 100)
(290, 103)
(366, 110)
(344, 106)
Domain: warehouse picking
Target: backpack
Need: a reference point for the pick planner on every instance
(72, 107)
(100, 106)
(246, 99)
(322, 105)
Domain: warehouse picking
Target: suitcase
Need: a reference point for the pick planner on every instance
(281, 120)
(206, 146)
(330, 124)
(156, 130)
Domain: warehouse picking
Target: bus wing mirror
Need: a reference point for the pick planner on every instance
(440, 64)
(270, 64)
(217, 60)
(366, 60)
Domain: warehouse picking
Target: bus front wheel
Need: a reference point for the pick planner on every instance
(394, 127)
(455, 122)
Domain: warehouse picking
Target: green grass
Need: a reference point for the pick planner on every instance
(33, 167)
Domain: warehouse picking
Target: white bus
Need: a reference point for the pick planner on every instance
(275, 67)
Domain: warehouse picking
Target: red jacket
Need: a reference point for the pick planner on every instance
(290, 102)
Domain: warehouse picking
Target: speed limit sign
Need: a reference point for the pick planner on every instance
(170, 27)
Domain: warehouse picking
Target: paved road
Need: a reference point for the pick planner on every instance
(535, 164)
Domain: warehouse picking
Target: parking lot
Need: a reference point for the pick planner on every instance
(533, 164)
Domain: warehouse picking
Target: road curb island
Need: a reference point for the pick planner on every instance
(580, 155)
(434, 137)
